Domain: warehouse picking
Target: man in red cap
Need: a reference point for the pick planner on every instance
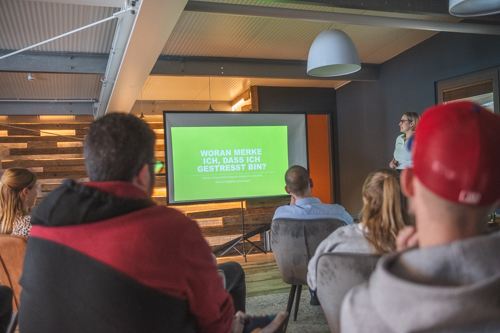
(449, 277)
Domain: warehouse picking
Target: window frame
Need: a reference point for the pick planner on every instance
(466, 79)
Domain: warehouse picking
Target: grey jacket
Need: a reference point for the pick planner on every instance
(445, 288)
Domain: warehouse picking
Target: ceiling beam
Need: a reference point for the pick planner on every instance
(238, 67)
(394, 6)
(37, 108)
(55, 62)
(94, 63)
(329, 17)
(104, 3)
(154, 22)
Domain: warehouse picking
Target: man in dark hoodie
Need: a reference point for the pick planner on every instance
(449, 279)
(103, 257)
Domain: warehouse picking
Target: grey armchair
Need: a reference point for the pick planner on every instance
(337, 273)
(294, 242)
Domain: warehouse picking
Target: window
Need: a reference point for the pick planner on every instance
(480, 88)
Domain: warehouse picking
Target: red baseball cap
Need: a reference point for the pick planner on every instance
(456, 153)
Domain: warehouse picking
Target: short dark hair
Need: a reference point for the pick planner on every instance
(117, 146)
(297, 179)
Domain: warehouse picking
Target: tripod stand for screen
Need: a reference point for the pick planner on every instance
(242, 239)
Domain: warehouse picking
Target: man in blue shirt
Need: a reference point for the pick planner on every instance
(303, 206)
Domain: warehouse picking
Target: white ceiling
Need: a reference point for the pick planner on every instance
(221, 35)
(195, 34)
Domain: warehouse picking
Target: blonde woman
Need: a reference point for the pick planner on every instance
(384, 213)
(17, 198)
(402, 155)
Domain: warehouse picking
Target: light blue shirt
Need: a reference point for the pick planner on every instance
(312, 208)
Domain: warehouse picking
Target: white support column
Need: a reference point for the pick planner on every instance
(154, 22)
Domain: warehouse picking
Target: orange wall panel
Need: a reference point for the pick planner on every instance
(319, 156)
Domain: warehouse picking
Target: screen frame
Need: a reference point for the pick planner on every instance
(236, 199)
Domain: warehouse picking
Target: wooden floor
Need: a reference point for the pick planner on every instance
(261, 274)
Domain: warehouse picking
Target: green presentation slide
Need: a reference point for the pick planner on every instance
(229, 162)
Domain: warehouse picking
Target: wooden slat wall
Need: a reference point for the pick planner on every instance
(54, 158)
(257, 213)
(34, 145)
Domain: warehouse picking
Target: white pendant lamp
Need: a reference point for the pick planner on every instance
(332, 53)
(466, 8)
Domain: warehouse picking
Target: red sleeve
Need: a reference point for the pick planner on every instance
(209, 302)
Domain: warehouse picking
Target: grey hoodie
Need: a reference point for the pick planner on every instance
(445, 288)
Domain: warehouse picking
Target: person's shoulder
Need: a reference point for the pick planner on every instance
(336, 208)
(347, 231)
(283, 211)
(359, 294)
(400, 138)
(172, 216)
(284, 207)
(357, 313)
(26, 218)
(22, 218)
(353, 229)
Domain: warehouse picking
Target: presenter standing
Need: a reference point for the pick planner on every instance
(402, 155)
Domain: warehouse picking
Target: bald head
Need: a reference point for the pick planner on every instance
(297, 181)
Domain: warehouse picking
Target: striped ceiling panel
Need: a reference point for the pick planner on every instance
(25, 23)
(218, 35)
(50, 86)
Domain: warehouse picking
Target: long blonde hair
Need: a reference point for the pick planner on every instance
(385, 210)
(13, 182)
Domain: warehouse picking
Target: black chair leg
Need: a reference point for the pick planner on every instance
(290, 298)
(297, 301)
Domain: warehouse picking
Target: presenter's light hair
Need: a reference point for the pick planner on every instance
(117, 146)
(297, 180)
(14, 181)
(413, 117)
(385, 210)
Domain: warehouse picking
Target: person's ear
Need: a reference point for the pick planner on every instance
(407, 187)
(24, 192)
(143, 179)
(287, 190)
(310, 182)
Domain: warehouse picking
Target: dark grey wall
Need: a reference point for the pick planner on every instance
(368, 112)
(308, 100)
(362, 135)
(294, 99)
